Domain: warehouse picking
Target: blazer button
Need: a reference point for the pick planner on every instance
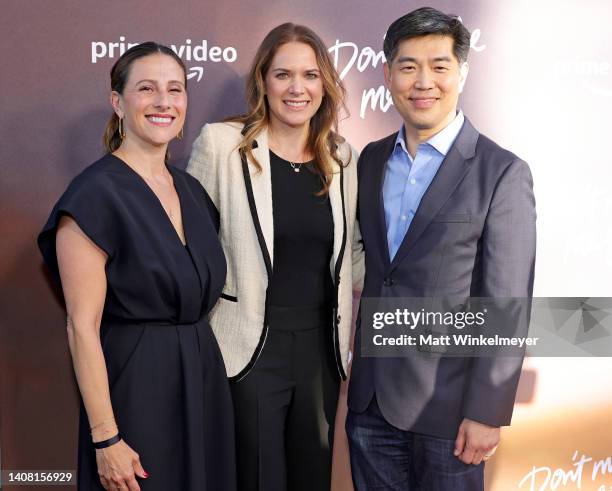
(388, 282)
(338, 318)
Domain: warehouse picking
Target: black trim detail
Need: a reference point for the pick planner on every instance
(254, 145)
(267, 261)
(230, 298)
(338, 267)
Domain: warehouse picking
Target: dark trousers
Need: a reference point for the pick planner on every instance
(386, 458)
(286, 405)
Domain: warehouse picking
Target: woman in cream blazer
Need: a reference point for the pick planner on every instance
(285, 186)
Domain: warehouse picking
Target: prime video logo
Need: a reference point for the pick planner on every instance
(200, 52)
(593, 74)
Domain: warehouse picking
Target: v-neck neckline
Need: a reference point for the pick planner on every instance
(185, 245)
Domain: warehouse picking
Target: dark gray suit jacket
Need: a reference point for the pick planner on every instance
(473, 235)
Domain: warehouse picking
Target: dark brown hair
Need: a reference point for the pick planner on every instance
(119, 76)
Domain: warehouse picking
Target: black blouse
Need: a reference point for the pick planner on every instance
(303, 237)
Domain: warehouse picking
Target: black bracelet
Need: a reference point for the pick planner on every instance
(107, 443)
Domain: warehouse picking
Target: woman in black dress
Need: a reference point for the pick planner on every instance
(134, 244)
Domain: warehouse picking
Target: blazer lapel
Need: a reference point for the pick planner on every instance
(336, 198)
(261, 185)
(455, 166)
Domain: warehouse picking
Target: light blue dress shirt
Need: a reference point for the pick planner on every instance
(407, 180)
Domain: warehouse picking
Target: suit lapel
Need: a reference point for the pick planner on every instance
(454, 167)
(380, 168)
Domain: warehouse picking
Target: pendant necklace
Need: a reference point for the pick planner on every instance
(296, 167)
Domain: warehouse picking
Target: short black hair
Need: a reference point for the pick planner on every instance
(425, 21)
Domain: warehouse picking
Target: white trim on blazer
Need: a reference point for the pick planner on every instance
(238, 319)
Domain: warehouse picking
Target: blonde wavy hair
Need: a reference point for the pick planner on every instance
(323, 138)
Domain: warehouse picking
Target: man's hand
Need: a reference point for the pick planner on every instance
(475, 441)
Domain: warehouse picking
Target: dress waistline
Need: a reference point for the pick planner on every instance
(118, 321)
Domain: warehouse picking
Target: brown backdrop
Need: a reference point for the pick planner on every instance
(538, 84)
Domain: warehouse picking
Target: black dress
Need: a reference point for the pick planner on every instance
(167, 380)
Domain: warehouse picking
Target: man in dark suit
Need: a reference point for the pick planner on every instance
(443, 211)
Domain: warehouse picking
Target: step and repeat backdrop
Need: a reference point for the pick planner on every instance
(540, 84)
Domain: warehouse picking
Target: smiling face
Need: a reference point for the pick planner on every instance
(294, 87)
(154, 101)
(425, 79)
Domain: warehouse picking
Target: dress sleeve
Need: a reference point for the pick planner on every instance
(88, 203)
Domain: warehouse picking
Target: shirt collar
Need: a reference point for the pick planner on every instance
(441, 141)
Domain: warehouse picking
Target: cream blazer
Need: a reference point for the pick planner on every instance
(243, 197)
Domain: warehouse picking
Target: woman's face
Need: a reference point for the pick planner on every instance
(154, 101)
(294, 86)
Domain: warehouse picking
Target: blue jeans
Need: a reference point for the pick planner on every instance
(384, 457)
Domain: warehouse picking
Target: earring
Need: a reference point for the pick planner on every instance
(180, 135)
(121, 132)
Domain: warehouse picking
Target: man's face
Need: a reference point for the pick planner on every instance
(425, 79)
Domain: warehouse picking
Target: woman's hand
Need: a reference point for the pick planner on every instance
(118, 466)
